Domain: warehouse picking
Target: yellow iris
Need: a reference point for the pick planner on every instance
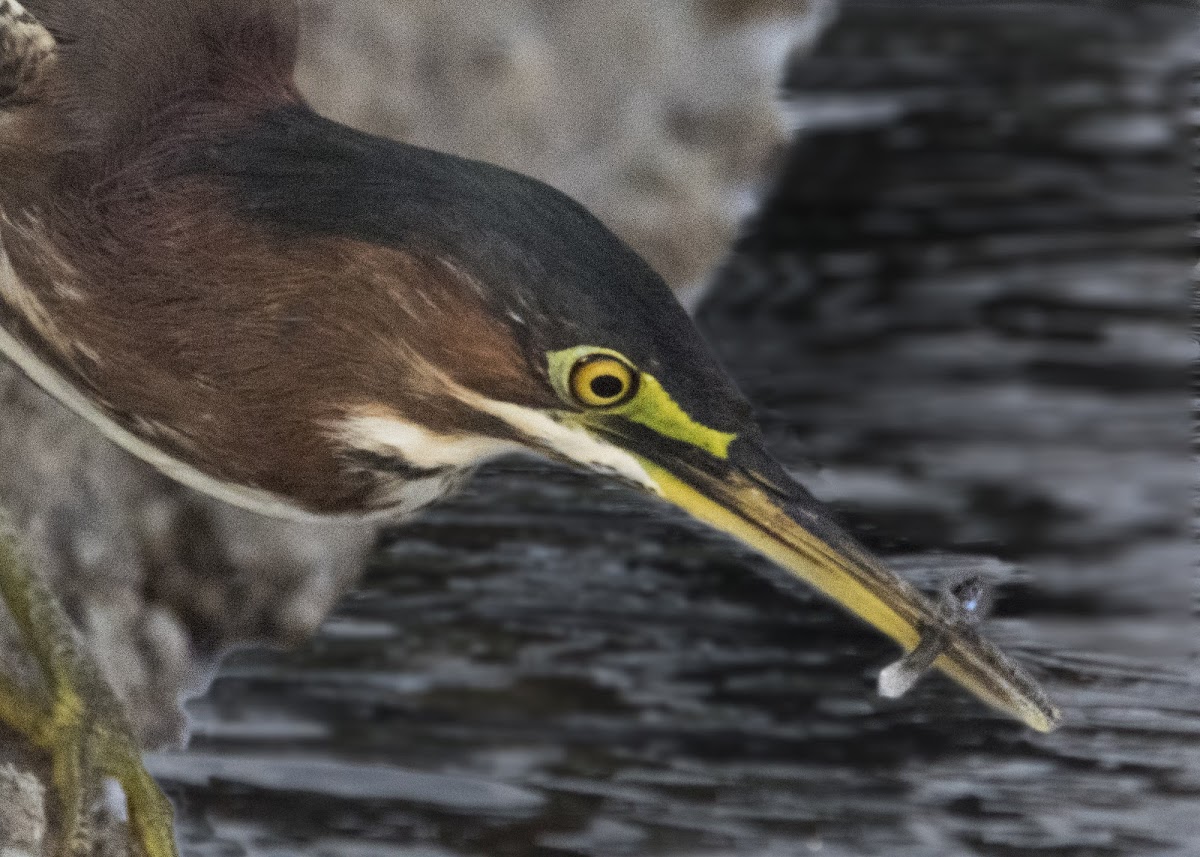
(602, 381)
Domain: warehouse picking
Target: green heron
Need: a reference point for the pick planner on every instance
(308, 321)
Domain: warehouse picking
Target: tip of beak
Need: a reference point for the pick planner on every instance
(961, 609)
(1039, 713)
(1048, 721)
(1044, 719)
(1034, 710)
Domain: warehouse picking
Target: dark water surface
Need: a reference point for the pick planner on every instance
(966, 301)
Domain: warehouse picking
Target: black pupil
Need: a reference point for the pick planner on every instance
(607, 386)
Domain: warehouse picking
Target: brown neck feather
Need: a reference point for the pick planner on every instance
(237, 350)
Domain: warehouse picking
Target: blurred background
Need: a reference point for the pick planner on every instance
(944, 247)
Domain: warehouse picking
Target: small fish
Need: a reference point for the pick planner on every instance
(964, 603)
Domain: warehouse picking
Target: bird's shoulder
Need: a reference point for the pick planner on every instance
(28, 59)
(91, 76)
(26, 53)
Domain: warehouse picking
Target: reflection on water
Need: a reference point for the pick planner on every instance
(968, 312)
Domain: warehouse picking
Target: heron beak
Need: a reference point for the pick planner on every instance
(751, 497)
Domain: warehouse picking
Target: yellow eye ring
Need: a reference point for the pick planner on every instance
(602, 381)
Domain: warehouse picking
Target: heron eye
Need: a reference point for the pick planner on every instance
(601, 381)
